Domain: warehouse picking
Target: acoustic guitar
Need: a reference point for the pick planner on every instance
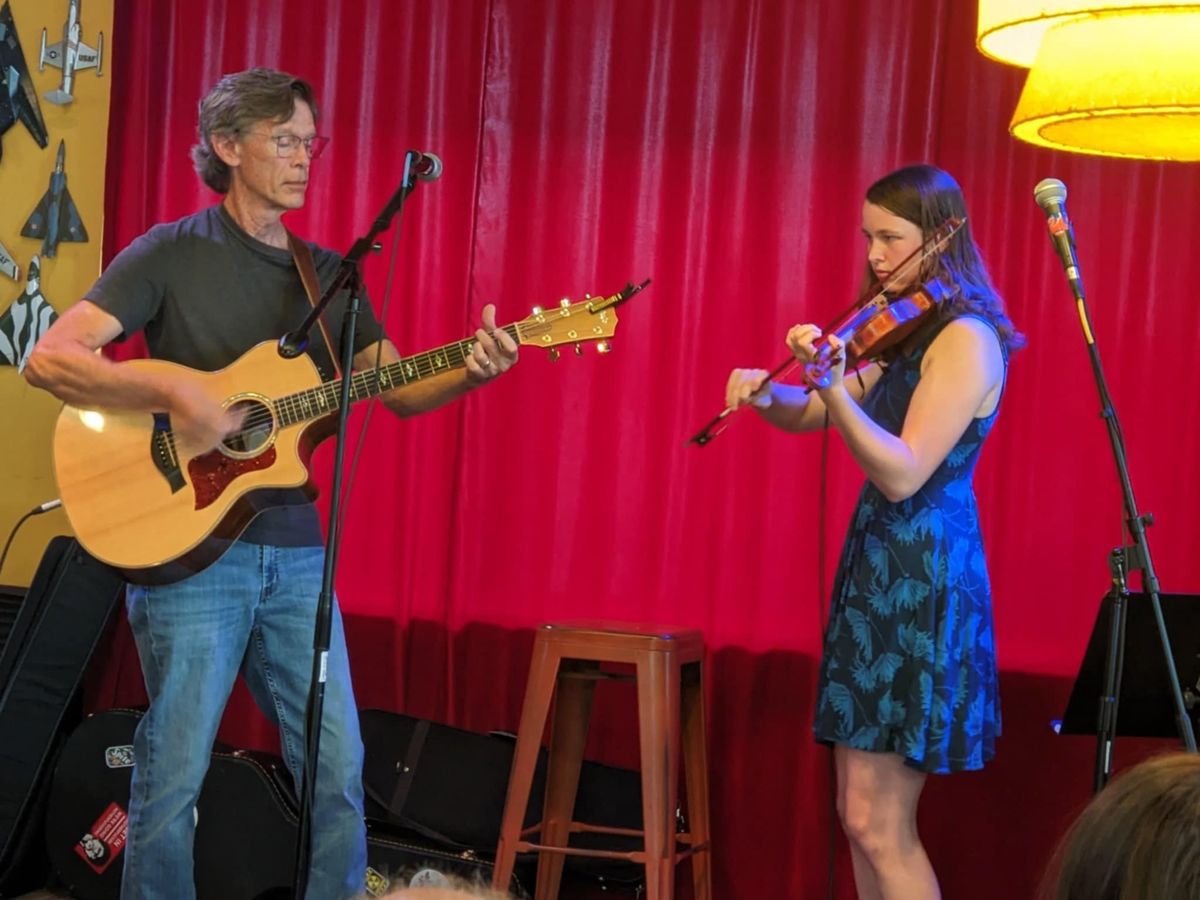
(138, 503)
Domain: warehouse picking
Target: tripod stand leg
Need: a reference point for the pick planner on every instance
(1106, 720)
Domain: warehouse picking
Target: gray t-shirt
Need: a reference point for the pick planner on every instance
(204, 292)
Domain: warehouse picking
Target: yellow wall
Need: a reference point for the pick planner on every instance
(27, 415)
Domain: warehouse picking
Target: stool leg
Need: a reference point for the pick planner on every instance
(543, 671)
(695, 768)
(572, 709)
(658, 723)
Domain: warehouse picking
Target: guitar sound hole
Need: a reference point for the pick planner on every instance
(257, 427)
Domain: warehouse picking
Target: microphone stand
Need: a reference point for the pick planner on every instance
(1121, 559)
(292, 344)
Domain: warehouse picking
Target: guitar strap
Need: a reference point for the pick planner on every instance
(303, 258)
(408, 770)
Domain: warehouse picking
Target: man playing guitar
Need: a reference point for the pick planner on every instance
(206, 289)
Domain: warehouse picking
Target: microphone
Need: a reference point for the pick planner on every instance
(1051, 195)
(425, 166)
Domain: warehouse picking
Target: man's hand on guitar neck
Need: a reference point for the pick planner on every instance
(494, 353)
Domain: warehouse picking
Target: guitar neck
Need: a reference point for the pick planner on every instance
(325, 399)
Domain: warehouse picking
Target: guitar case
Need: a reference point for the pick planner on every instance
(57, 627)
(246, 828)
(450, 785)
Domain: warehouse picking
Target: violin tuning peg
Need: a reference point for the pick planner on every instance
(604, 347)
(553, 354)
(579, 349)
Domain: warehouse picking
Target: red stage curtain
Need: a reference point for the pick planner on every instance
(721, 148)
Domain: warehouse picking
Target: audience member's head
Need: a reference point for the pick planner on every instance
(445, 893)
(1138, 839)
(445, 887)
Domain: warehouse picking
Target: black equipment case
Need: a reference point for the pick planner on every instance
(246, 827)
(450, 785)
(57, 627)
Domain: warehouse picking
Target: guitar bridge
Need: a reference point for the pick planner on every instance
(162, 451)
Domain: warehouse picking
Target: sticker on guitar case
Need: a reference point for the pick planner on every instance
(377, 883)
(119, 757)
(100, 846)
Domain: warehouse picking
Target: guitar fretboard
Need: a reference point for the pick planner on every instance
(319, 401)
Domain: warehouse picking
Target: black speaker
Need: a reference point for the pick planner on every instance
(56, 629)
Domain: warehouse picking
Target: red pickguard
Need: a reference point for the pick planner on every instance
(214, 471)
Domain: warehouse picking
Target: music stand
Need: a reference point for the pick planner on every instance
(1144, 703)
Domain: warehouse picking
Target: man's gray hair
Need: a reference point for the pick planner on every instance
(234, 104)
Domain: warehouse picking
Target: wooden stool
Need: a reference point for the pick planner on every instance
(668, 669)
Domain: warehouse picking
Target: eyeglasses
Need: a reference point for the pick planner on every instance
(288, 145)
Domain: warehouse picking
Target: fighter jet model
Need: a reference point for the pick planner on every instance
(56, 218)
(8, 265)
(26, 320)
(70, 54)
(18, 97)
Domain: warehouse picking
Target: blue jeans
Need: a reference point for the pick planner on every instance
(254, 611)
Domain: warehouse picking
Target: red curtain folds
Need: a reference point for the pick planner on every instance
(720, 147)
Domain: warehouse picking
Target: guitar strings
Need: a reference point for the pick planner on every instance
(362, 385)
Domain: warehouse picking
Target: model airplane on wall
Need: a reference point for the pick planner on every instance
(8, 265)
(56, 218)
(26, 320)
(18, 97)
(70, 54)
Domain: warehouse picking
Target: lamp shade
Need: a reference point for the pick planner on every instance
(1012, 30)
(1121, 84)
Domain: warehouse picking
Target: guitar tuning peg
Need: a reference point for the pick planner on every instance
(604, 347)
(565, 302)
(537, 310)
(587, 296)
(553, 354)
(579, 349)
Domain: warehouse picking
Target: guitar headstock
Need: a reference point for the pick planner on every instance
(590, 319)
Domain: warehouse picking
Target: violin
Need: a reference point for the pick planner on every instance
(872, 329)
(868, 329)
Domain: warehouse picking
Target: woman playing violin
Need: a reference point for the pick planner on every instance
(907, 681)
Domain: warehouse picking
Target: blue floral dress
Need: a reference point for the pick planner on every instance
(909, 663)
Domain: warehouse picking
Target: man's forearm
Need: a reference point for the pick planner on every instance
(83, 378)
(428, 394)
